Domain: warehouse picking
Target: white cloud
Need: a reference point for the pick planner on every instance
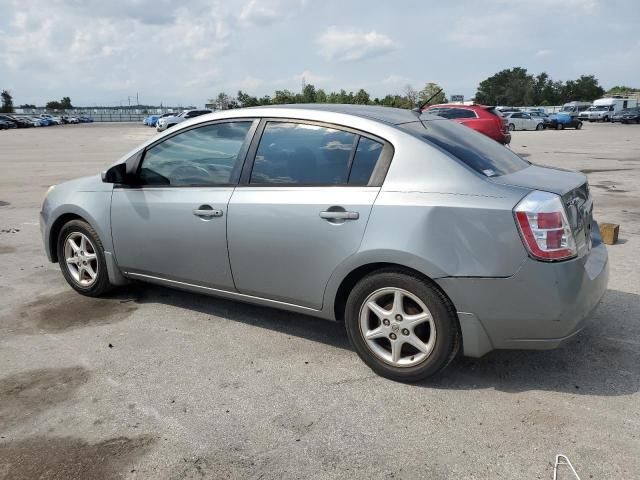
(352, 45)
(264, 12)
(544, 52)
(396, 80)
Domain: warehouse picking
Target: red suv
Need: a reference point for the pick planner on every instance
(479, 117)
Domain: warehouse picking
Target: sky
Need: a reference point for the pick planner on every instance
(105, 52)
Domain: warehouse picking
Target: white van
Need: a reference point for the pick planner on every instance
(574, 108)
(605, 108)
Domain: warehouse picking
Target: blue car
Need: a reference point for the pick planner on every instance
(85, 119)
(562, 120)
(151, 120)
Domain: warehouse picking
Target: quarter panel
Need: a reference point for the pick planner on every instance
(456, 235)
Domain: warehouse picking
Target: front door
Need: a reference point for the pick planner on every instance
(172, 224)
(301, 211)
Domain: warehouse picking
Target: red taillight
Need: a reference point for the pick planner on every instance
(544, 227)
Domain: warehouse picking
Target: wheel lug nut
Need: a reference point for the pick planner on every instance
(405, 331)
(392, 336)
(399, 318)
(386, 322)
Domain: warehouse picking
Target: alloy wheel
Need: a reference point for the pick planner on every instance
(81, 259)
(397, 327)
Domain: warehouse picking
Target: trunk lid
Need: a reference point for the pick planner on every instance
(572, 187)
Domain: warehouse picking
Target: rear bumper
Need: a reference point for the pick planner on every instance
(539, 307)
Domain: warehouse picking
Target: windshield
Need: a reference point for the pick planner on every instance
(601, 108)
(476, 150)
(569, 108)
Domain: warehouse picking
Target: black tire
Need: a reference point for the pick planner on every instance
(539, 126)
(578, 125)
(512, 127)
(101, 284)
(559, 126)
(448, 338)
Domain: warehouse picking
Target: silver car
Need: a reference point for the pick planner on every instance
(424, 237)
(524, 121)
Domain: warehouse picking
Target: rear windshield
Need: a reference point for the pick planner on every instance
(478, 151)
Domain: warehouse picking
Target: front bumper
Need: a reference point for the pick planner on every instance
(539, 307)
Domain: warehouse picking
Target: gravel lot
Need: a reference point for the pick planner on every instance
(155, 383)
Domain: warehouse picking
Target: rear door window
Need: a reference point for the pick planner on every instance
(302, 154)
(364, 161)
(476, 150)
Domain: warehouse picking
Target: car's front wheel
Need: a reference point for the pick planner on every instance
(81, 259)
(539, 126)
(402, 327)
(512, 127)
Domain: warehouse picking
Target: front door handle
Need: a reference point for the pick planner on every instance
(339, 215)
(207, 211)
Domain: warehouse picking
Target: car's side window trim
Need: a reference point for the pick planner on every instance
(377, 177)
(235, 174)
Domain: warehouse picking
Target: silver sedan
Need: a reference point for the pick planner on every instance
(425, 238)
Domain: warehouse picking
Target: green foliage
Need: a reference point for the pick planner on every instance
(432, 92)
(7, 102)
(622, 90)
(27, 105)
(516, 87)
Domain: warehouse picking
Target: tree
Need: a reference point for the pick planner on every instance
(53, 105)
(622, 90)
(223, 101)
(246, 100)
(282, 97)
(509, 87)
(584, 88)
(308, 94)
(361, 97)
(431, 91)
(321, 96)
(7, 102)
(411, 96)
(66, 103)
(27, 105)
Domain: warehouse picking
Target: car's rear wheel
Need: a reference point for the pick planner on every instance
(81, 259)
(402, 327)
(559, 126)
(539, 126)
(512, 127)
(578, 125)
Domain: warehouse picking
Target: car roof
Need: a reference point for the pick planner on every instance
(390, 115)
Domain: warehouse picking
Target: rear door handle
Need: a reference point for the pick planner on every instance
(331, 215)
(207, 211)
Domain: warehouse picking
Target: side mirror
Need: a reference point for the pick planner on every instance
(116, 174)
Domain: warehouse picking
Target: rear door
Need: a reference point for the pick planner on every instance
(301, 207)
(172, 224)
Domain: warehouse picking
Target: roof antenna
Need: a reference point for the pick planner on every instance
(418, 109)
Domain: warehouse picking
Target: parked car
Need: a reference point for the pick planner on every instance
(150, 120)
(38, 122)
(523, 121)
(422, 236)
(73, 120)
(629, 115)
(20, 122)
(604, 109)
(10, 122)
(4, 125)
(481, 118)
(85, 119)
(172, 120)
(562, 120)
